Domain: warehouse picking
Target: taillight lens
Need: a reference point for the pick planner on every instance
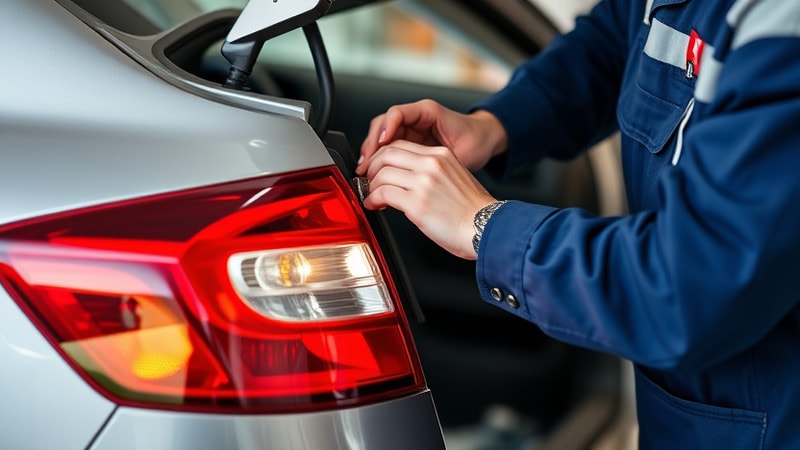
(263, 295)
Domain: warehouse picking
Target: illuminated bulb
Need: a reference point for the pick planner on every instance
(294, 269)
(284, 271)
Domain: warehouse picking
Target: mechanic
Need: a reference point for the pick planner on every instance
(699, 284)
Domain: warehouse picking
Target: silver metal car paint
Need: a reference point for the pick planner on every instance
(82, 124)
(45, 404)
(404, 424)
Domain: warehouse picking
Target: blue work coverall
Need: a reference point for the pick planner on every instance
(699, 284)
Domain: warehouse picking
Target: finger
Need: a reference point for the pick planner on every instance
(420, 116)
(370, 144)
(393, 176)
(389, 196)
(392, 120)
(413, 121)
(400, 154)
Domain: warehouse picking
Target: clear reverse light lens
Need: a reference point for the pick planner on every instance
(311, 284)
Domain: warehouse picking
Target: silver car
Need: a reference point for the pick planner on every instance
(185, 262)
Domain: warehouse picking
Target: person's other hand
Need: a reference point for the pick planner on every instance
(434, 190)
(473, 138)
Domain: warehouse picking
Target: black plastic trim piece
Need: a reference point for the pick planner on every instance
(339, 149)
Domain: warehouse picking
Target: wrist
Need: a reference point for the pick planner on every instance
(480, 220)
(493, 131)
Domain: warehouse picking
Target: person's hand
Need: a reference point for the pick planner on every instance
(473, 138)
(438, 194)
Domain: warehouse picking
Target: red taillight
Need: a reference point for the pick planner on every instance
(261, 295)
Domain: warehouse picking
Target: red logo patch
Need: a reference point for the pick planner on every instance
(694, 54)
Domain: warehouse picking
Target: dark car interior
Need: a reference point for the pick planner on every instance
(474, 355)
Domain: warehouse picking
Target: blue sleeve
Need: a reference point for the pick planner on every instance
(703, 277)
(577, 76)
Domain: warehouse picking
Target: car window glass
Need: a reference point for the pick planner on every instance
(391, 40)
(397, 42)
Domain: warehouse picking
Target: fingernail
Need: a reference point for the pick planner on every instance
(360, 160)
(382, 137)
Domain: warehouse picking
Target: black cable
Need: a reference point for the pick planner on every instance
(322, 65)
(242, 57)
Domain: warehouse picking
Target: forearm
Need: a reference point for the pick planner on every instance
(564, 99)
(492, 131)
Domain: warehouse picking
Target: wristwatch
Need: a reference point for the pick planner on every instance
(482, 218)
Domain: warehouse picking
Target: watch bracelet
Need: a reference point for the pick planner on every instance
(481, 218)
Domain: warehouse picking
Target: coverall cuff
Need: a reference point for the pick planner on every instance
(501, 255)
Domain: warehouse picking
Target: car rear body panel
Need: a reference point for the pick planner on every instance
(84, 124)
(384, 425)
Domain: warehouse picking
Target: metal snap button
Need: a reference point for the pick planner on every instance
(497, 294)
(512, 301)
